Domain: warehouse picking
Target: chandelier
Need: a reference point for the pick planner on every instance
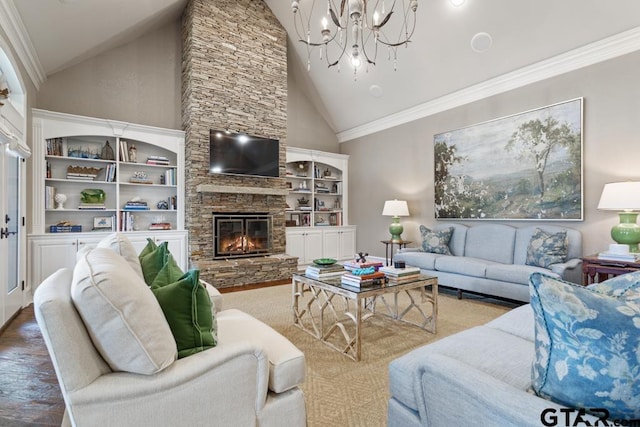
(354, 29)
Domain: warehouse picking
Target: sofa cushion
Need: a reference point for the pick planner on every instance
(493, 242)
(121, 314)
(120, 244)
(514, 273)
(418, 259)
(187, 307)
(286, 361)
(545, 249)
(587, 347)
(436, 241)
(462, 265)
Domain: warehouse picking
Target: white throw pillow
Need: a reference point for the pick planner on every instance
(123, 317)
(120, 244)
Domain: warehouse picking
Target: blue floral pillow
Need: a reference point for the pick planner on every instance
(587, 347)
(545, 249)
(436, 242)
(619, 286)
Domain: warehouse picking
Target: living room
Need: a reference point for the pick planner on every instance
(141, 82)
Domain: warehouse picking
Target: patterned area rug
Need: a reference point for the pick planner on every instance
(339, 391)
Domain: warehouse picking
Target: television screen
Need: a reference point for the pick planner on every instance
(241, 154)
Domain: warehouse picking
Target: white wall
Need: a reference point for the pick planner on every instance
(398, 162)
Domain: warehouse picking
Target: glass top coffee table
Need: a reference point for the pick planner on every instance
(334, 313)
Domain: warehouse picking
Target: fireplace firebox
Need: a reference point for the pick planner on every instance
(241, 235)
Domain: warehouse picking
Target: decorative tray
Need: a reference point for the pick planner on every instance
(324, 261)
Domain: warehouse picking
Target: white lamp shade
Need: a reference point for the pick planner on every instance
(395, 208)
(620, 196)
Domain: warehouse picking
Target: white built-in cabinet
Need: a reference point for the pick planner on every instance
(317, 209)
(66, 147)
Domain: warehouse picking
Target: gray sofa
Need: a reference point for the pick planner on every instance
(478, 377)
(490, 259)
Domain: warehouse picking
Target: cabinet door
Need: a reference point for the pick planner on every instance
(295, 244)
(313, 245)
(331, 244)
(49, 256)
(347, 243)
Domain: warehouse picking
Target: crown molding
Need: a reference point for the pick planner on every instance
(12, 25)
(602, 50)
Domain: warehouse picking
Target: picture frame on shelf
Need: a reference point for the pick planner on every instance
(102, 223)
(296, 219)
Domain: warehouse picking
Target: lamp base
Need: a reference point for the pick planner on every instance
(628, 231)
(396, 230)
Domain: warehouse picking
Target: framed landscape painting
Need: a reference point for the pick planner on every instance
(527, 166)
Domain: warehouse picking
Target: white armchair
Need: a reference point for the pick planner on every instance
(250, 378)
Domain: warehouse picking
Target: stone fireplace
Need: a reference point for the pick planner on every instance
(234, 76)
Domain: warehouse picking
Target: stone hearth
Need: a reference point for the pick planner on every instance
(234, 76)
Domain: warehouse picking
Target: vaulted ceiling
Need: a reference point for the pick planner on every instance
(530, 40)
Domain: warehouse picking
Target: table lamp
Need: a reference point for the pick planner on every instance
(623, 197)
(395, 209)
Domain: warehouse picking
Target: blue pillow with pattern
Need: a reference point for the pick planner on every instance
(619, 286)
(545, 249)
(436, 242)
(587, 347)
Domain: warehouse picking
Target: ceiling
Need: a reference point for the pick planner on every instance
(438, 63)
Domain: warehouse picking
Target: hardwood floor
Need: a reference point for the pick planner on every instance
(29, 391)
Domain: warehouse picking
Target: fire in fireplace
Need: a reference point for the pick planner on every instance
(241, 235)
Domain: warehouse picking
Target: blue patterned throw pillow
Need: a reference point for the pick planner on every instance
(436, 242)
(545, 249)
(587, 346)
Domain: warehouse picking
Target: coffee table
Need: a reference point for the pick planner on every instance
(331, 312)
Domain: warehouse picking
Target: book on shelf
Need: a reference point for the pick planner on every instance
(160, 226)
(92, 206)
(400, 272)
(128, 207)
(124, 151)
(65, 228)
(628, 257)
(55, 147)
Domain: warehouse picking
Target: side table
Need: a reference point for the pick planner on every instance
(388, 244)
(596, 270)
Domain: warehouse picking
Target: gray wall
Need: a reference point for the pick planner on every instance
(398, 162)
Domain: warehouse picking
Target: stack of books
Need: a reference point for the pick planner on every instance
(363, 280)
(324, 271)
(400, 275)
(136, 206)
(613, 256)
(355, 265)
(160, 226)
(158, 160)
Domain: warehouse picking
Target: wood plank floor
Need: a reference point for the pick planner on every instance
(29, 391)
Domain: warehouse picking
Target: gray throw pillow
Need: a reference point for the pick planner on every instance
(436, 241)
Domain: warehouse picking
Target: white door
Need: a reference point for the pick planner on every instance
(10, 235)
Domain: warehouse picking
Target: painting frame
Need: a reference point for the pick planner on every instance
(524, 166)
(102, 223)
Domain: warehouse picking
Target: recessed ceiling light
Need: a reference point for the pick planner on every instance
(375, 91)
(481, 42)
(457, 3)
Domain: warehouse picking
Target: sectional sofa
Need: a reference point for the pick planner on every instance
(492, 258)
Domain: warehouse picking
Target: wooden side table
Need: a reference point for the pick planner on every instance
(595, 270)
(388, 244)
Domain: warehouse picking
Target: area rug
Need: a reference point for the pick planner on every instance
(339, 391)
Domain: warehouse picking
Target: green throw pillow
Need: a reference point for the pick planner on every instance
(153, 261)
(187, 307)
(169, 273)
(436, 242)
(151, 245)
(545, 249)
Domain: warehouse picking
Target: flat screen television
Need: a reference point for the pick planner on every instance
(241, 154)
